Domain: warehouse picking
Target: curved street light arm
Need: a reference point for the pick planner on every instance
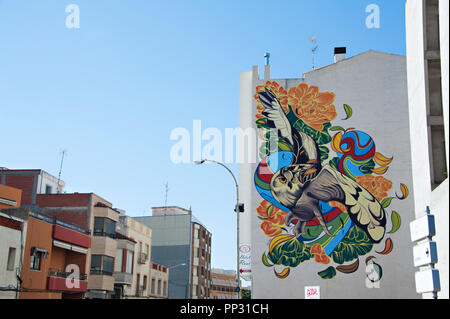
(236, 209)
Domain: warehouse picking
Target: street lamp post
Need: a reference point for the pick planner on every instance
(238, 209)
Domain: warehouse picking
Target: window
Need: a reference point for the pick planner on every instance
(102, 265)
(108, 265)
(11, 258)
(159, 286)
(35, 263)
(153, 285)
(129, 266)
(104, 227)
(96, 264)
(145, 283)
(48, 189)
(165, 288)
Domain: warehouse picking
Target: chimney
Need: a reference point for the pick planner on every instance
(339, 54)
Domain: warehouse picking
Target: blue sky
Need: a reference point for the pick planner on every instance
(111, 91)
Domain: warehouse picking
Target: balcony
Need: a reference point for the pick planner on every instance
(101, 280)
(123, 278)
(67, 282)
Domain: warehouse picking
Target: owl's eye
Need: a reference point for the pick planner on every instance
(283, 180)
(293, 180)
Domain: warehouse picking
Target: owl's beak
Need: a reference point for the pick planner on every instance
(290, 185)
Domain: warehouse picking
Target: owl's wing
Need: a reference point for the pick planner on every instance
(304, 147)
(275, 114)
(362, 207)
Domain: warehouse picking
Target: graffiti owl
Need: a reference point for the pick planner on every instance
(302, 184)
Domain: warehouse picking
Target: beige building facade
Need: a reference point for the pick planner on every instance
(136, 275)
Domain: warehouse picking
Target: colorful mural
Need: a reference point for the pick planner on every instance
(331, 211)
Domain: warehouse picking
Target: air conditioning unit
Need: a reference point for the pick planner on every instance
(142, 258)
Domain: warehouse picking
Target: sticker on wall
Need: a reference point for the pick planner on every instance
(330, 211)
(312, 292)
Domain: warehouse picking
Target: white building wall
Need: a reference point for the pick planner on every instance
(246, 169)
(10, 238)
(417, 97)
(374, 85)
(437, 199)
(444, 45)
(45, 179)
(141, 234)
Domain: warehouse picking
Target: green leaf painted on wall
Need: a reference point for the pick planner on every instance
(269, 211)
(321, 137)
(328, 273)
(354, 244)
(290, 253)
(386, 202)
(396, 222)
(336, 128)
(265, 261)
(348, 111)
(334, 163)
(366, 166)
(324, 153)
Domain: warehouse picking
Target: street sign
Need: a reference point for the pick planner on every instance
(422, 227)
(425, 254)
(245, 261)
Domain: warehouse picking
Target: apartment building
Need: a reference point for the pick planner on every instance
(136, 276)
(223, 284)
(31, 182)
(183, 244)
(54, 257)
(124, 266)
(201, 261)
(13, 230)
(159, 281)
(89, 211)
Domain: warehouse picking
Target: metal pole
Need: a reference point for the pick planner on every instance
(238, 284)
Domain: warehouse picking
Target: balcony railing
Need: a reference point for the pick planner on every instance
(101, 272)
(61, 274)
(101, 233)
(63, 281)
(54, 220)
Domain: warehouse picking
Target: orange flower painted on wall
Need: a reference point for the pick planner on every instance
(319, 254)
(273, 218)
(313, 107)
(378, 186)
(278, 90)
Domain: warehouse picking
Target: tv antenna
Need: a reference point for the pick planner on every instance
(314, 47)
(167, 191)
(64, 151)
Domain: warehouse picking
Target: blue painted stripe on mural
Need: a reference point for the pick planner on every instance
(338, 238)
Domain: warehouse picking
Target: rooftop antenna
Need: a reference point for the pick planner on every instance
(314, 47)
(64, 151)
(167, 191)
